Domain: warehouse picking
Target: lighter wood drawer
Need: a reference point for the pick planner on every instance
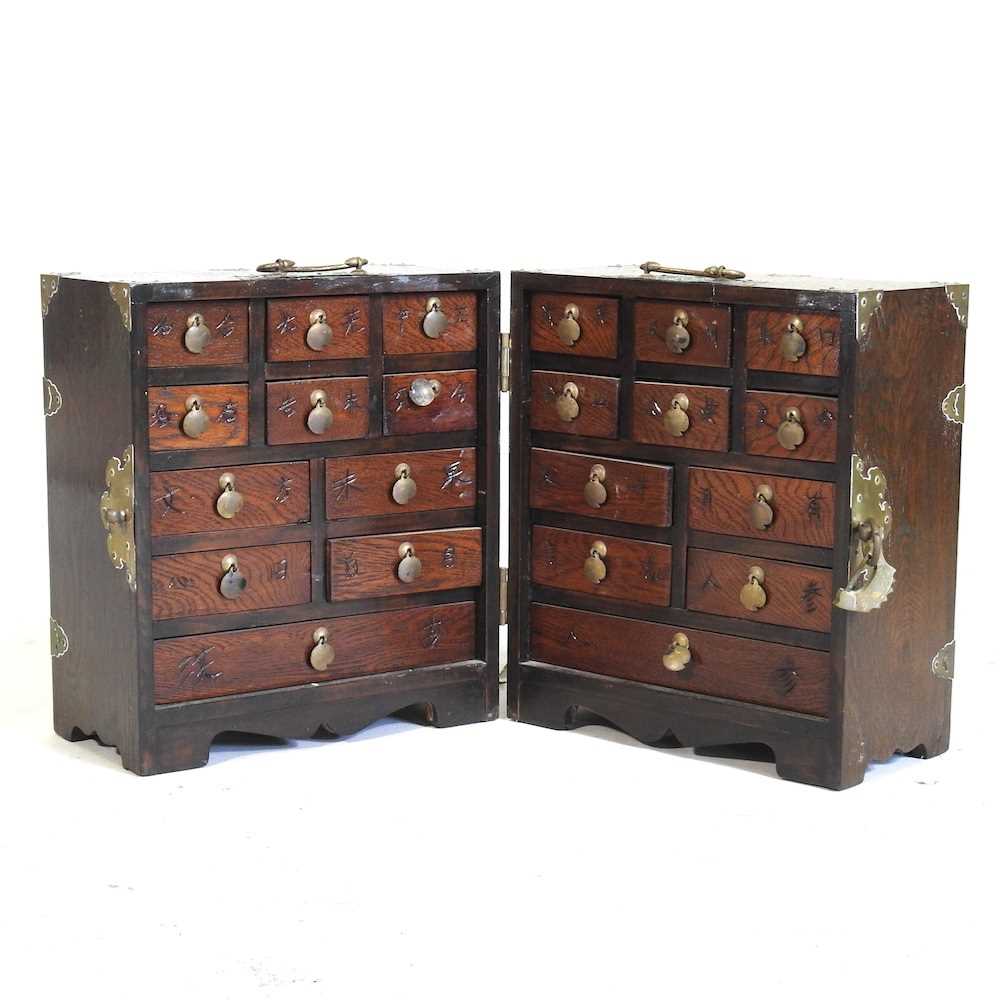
(596, 399)
(334, 326)
(592, 330)
(814, 416)
(317, 409)
(188, 334)
(703, 413)
(411, 324)
(173, 410)
(683, 333)
(412, 408)
(820, 342)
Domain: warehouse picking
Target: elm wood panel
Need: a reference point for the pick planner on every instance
(764, 673)
(261, 659)
(710, 328)
(188, 584)
(288, 408)
(597, 399)
(637, 493)
(804, 509)
(361, 486)
(708, 413)
(598, 320)
(165, 324)
(797, 596)
(365, 566)
(821, 332)
(636, 571)
(403, 318)
(766, 410)
(288, 324)
(226, 406)
(183, 502)
(454, 408)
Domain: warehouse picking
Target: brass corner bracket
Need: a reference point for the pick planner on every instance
(118, 513)
(958, 296)
(868, 304)
(121, 292)
(953, 405)
(943, 662)
(58, 640)
(50, 285)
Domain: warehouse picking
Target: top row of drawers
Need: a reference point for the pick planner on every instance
(305, 329)
(687, 333)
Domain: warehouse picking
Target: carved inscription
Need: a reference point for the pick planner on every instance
(169, 502)
(448, 559)
(810, 596)
(284, 489)
(287, 406)
(161, 416)
(785, 677)
(226, 325)
(198, 667)
(431, 633)
(287, 324)
(342, 487)
(227, 415)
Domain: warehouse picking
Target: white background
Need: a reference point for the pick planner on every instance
(851, 140)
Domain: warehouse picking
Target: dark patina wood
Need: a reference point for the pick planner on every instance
(596, 317)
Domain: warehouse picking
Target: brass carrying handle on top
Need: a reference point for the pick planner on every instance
(284, 266)
(717, 271)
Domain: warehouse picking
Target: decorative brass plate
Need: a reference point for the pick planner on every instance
(50, 285)
(53, 397)
(943, 663)
(58, 640)
(118, 513)
(953, 405)
(122, 294)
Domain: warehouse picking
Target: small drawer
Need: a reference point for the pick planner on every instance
(574, 324)
(565, 403)
(411, 563)
(429, 322)
(186, 334)
(238, 496)
(791, 426)
(799, 343)
(763, 590)
(317, 409)
(225, 581)
(620, 569)
(261, 659)
(681, 416)
(765, 673)
(683, 333)
(404, 482)
(333, 326)
(754, 505)
(430, 402)
(591, 486)
(182, 417)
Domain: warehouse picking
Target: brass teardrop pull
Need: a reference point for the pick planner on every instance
(230, 500)
(793, 344)
(678, 656)
(678, 338)
(198, 333)
(791, 433)
(321, 656)
(409, 567)
(566, 403)
(676, 419)
(595, 493)
(594, 568)
(195, 421)
(423, 391)
(753, 596)
(568, 329)
(404, 489)
(320, 418)
(233, 582)
(319, 334)
(435, 321)
(761, 513)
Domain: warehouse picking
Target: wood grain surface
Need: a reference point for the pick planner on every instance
(454, 408)
(403, 317)
(598, 402)
(288, 324)
(598, 320)
(710, 328)
(821, 332)
(225, 405)
(708, 415)
(288, 408)
(165, 324)
(765, 412)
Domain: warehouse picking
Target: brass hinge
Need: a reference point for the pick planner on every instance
(505, 362)
(503, 595)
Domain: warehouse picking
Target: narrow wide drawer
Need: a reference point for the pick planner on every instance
(260, 659)
(411, 563)
(681, 416)
(755, 505)
(317, 409)
(372, 485)
(683, 333)
(798, 343)
(430, 402)
(591, 486)
(429, 322)
(726, 666)
(574, 324)
(186, 334)
(238, 496)
(212, 583)
(333, 326)
(791, 426)
(182, 417)
(574, 404)
(764, 590)
(619, 569)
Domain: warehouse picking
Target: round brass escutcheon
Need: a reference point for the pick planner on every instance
(753, 596)
(319, 334)
(791, 433)
(676, 419)
(566, 402)
(435, 321)
(568, 331)
(761, 512)
(793, 344)
(321, 656)
(320, 418)
(230, 500)
(423, 391)
(404, 489)
(233, 582)
(678, 656)
(594, 568)
(595, 493)
(409, 567)
(678, 338)
(195, 421)
(198, 333)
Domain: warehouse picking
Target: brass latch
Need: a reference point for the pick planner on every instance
(117, 510)
(503, 595)
(505, 362)
(716, 271)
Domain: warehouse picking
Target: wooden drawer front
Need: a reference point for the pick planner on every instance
(185, 501)
(803, 509)
(707, 414)
(221, 339)
(403, 318)
(452, 409)
(821, 333)
(597, 400)
(726, 666)
(596, 320)
(188, 584)
(635, 571)
(224, 405)
(637, 493)
(765, 412)
(797, 596)
(289, 322)
(364, 486)
(708, 327)
(289, 406)
(367, 566)
(259, 659)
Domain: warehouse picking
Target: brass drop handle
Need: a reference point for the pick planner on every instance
(566, 403)
(321, 656)
(678, 338)
(198, 333)
(423, 391)
(793, 344)
(319, 334)
(791, 433)
(568, 331)
(595, 493)
(233, 582)
(230, 501)
(195, 421)
(435, 321)
(594, 568)
(753, 596)
(320, 418)
(761, 512)
(676, 419)
(678, 656)
(409, 567)
(404, 489)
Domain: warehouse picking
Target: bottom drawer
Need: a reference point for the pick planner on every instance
(258, 659)
(727, 666)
